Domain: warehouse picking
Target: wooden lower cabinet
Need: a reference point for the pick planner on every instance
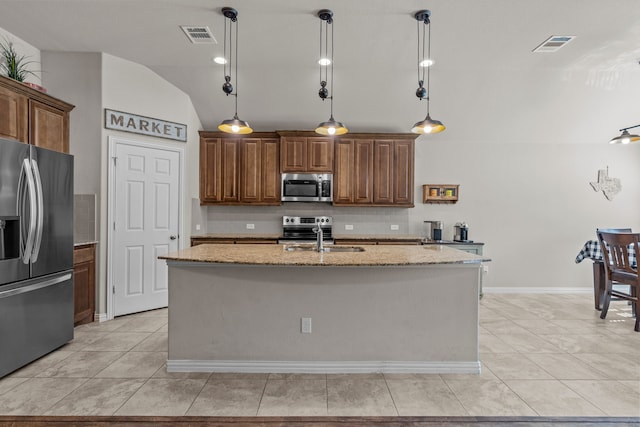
(84, 283)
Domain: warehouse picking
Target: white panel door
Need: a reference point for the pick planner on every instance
(146, 198)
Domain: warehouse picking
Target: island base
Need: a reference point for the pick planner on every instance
(249, 318)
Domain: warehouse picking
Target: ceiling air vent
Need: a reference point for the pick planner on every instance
(199, 35)
(553, 43)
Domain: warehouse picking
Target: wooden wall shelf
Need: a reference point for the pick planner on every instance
(440, 193)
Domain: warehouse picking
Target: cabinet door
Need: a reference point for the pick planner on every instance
(84, 284)
(293, 154)
(13, 115)
(251, 170)
(319, 155)
(403, 173)
(343, 186)
(210, 170)
(363, 181)
(271, 181)
(48, 127)
(383, 172)
(230, 171)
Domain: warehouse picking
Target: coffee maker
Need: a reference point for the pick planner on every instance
(461, 232)
(434, 230)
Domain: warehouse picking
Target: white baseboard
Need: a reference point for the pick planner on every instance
(317, 367)
(536, 290)
(100, 317)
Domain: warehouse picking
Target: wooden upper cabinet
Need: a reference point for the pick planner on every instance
(302, 152)
(13, 115)
(343, 173)
(230, 171)
(271, 171)
(260, 180)
(293, 154)
(404, 172)
(320, 155)
(33, 117)
(371, 171)
(236, 170)
(210, 170)
(383, 163)
(49, 127)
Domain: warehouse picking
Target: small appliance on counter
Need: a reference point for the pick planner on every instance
(461, 232)
(434, 230)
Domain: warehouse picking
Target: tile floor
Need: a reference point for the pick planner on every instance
(542, 355)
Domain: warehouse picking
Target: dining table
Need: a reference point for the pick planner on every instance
(592, 250)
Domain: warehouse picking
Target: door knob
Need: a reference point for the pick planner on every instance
(173, 237)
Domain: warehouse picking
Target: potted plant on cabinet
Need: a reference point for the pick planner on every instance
(16, 66)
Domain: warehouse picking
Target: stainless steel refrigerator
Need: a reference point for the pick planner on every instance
(36, 253)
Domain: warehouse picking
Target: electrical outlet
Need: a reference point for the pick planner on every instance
(251, 226)
(305, 325)
(348, 226)
(197, 227)
(395, 227)
(485, 268)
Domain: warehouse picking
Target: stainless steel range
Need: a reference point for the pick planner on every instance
(299, 229)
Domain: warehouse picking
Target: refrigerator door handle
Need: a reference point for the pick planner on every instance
(40, 208)
(33, 287)
(28, 246)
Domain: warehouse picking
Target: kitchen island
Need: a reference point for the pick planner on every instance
(262, 308)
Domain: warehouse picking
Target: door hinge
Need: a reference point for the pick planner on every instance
(114, 225)
(113, 290)
(115, 161)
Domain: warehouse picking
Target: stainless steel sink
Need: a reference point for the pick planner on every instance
(343, 249)
(312, 248)
(295, 248)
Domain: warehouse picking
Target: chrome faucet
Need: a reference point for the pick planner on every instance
(319, 237)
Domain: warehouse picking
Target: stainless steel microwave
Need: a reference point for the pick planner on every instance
(307, 187)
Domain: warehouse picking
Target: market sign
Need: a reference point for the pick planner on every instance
(127, 122)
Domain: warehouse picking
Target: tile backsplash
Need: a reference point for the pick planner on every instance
(84, 218)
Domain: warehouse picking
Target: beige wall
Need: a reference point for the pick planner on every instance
(93, 82)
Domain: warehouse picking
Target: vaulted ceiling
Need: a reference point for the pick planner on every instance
(486, 83)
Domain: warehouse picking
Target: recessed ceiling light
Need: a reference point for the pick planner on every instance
(426, 63)
(324, 61)
(219, 60)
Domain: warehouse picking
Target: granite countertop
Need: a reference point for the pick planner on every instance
(377, 255)
(92, 242)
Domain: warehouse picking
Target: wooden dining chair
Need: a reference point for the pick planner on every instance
(615, 253)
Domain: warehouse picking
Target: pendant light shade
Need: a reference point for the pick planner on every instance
(428, 125)
(626, 137)
(330, 127)
(234, 125)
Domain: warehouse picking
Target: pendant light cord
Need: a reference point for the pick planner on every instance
(331, 94)
(236, 76)
(428, 66)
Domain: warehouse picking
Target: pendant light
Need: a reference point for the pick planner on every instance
(234, 125)
(330, 127)
(428, 125)
(626, 137)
